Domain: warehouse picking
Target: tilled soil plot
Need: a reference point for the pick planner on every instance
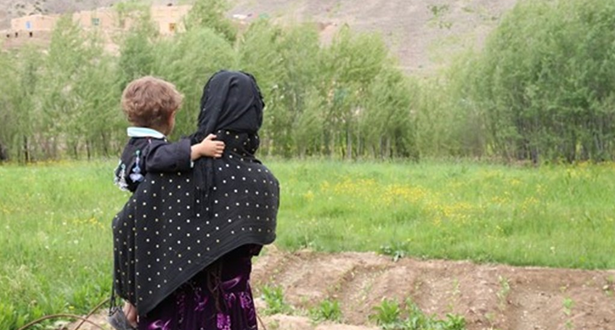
(487, 296)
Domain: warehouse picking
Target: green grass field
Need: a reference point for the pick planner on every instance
(56, 237)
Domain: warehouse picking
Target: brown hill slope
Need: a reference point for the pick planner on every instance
(422, 33)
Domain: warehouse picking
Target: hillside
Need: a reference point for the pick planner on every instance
(422, 33)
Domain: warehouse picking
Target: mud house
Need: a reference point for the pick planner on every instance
(102, 18)
(168, 19)
(29, 26)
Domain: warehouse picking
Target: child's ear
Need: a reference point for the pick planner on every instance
(171, 122)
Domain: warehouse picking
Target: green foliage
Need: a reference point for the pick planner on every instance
(396, 250)
(56, 218)
(76, 94)
(133, 13)
(387, 128)
(545, 82)
(388, 315)
(327, 310)
(188, 60)
(18, 109)
(55, 238)
(211, 14)
(485, 213)
(448, 122)
(274, 298)
(346, 99)
(541, 90)
(137, 48)
(287, 75)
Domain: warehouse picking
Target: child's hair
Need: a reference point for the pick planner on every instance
(149, 101)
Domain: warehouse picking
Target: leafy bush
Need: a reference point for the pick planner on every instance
(388, 315)
(274, 298)
(346, 99)
(327, 310)
(545, 82)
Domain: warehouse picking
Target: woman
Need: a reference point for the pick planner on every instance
(183, 244)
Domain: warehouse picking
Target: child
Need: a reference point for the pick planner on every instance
(150, 104)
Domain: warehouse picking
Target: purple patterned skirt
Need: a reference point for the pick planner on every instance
(217, 298)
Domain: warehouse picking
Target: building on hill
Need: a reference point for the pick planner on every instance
(168, 19)
(101, 18)
(29, 26)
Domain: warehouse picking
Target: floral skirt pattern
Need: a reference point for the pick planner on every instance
(217, 298)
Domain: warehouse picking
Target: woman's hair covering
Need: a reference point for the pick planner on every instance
(177, 224)
(231, 101)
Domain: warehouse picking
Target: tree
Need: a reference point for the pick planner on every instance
(137, 46)
(211, 14)
(188, 60)
(545, 81)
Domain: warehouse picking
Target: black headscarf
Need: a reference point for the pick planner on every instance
(175, 225)
(231, 102)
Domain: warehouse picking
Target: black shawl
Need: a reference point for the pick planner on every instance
(176, 224)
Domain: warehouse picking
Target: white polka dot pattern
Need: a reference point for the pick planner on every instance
(167, 232)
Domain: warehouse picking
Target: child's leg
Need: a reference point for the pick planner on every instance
(131, 313)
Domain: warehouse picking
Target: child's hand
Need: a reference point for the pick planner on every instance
(211, 148)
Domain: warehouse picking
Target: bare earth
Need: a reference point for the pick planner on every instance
(487, 296)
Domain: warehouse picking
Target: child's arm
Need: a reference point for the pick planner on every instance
(207, 148)
(161, 156)
(176, 157)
